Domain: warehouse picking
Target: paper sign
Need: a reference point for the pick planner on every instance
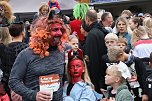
(49, 82)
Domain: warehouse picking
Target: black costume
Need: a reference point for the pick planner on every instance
(95, 48)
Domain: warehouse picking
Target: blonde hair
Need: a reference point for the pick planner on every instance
(140, 31)
(5, 37)
(42, 6)
(113, 69)
(113, 53)
(128, 12)
(72, 37)
(85, 75)
(128, 29)
(148, 23)
(111, 36)
(122, 40)
(7, 10)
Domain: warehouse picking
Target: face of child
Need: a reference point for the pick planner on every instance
(45, 11)
(76, 68)
(110, 78)
(109, 43)
(122, 46)
(74, 44)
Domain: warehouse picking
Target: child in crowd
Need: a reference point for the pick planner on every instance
(111, 40)
(122, 43)
(73, 46)
(54, 5)
(136, 68)
(79, 86)
(118, 90)
(44, 10)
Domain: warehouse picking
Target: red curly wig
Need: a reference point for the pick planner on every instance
(40, 35)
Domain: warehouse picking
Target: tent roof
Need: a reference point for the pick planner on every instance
(21, 6)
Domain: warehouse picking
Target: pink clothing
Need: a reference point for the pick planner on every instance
(4, 98)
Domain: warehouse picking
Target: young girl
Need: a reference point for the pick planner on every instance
(118, 90)
(79, 86)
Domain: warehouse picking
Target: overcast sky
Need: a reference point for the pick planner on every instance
(20, 6)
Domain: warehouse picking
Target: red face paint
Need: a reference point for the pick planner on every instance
(76, 69)
(56, 33)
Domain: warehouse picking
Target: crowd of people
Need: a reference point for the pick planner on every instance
(82, 59)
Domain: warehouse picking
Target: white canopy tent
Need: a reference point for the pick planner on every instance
(21, 6)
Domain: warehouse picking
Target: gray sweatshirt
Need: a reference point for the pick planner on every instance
(24, 77)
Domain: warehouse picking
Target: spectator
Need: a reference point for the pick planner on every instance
(5, 39)
(136, 68)
(134, 23)
(142, 42)
(43, 58)
(44, 10)
(79, 86)
(126, 14)
(123, 30)
(95, 49)
(118, 90)
(106, 21)
(122, 44)
(79, 12)
(13, 49)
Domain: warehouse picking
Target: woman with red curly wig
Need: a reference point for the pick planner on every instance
(38, 70)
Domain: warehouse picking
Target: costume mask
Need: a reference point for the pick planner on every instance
(56, 33)
(76, 68)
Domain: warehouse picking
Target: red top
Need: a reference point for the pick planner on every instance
(76, 26)
(55, 4)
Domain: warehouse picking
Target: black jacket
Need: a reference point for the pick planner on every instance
(95, 49)
(140, 68)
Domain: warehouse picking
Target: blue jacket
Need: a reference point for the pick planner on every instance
(81, 91)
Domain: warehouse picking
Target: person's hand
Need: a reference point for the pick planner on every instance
(43, 96)
(144, 98)
(15, 97)
(103, 91)
(133, 78)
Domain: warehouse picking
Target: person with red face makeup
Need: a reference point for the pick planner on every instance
(41, 64)
(78, 87)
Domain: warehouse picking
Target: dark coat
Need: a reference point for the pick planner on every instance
(95, 49)
(140, 68)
